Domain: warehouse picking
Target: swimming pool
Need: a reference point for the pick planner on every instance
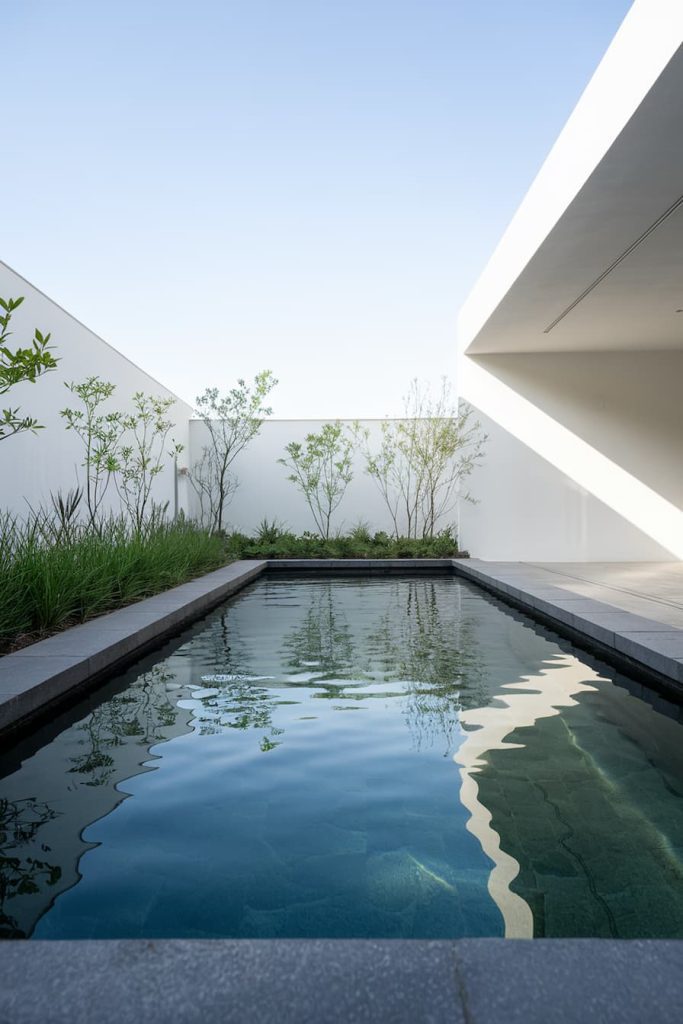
(385, 756)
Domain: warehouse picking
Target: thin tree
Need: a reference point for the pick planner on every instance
(232, 421)
(100, 433)
(321, 469)
(422, 459)
(141, 454)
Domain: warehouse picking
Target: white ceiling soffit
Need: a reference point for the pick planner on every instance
(596, 262)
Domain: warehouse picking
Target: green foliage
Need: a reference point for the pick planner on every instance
(279, 543)
(269, 532)
(422, 459)
(100, 433)
(140, 459)
(232, 421)
(19, 365)
(53, 578)
(126, 448)
(321, 469)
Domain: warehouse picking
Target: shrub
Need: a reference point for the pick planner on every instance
(54, 576)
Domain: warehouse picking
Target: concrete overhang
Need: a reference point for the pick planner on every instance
(593, 258)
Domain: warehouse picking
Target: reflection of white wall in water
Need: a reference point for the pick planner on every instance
(553, 688)
(32, 466)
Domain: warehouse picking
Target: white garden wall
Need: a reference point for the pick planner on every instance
(265, 492)
(32, 466)
(583, 461)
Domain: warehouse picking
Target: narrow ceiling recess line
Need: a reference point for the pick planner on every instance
(615, 263)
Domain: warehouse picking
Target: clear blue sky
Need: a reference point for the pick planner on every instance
(313, 186)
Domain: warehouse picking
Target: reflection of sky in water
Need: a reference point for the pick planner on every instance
(273, 812)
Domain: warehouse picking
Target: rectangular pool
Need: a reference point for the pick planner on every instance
(383, 756)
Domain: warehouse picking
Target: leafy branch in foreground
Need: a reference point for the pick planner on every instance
(19, 365)
(321, 469)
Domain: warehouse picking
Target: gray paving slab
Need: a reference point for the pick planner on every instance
(654, 589)
(220, 982)
(592, 981)
(28, 684)
(22, 672)
(472, 981)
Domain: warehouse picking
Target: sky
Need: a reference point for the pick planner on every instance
(307, 186)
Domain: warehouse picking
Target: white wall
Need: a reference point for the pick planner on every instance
(32, 466)
(584, 457)
(265, 492)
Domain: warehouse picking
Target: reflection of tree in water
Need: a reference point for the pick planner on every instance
(420, 640)
(140, 711)
(240, 703)
(21, 875)
(323, 642)
(424, 639)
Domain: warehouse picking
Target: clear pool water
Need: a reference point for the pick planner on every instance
(359, 757)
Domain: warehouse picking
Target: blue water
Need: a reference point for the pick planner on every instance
(292, 767)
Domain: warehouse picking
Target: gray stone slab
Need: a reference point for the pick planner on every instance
(478, 981)
(666, 645)
(28, 684)
(99, 647)
(22, 672)
(573, 981)
(551, 593)
(220, 982)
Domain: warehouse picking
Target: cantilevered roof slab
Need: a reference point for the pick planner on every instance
(593, 259)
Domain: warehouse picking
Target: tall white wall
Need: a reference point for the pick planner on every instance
(584, 456)
(266, 493)
(32, 466)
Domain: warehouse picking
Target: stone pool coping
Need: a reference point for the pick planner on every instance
(356, 981)
(40, 676)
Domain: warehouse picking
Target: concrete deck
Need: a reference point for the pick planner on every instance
(651, 589)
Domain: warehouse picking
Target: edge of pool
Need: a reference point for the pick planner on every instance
(61, 667)
(470, 981)
(351, 981)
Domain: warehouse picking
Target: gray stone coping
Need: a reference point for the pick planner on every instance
(636, 644)
(33, 679)
(223, 981)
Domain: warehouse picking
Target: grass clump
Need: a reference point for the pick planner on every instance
(56, 574)
(274, 541)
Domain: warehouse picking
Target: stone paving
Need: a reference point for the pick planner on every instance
(472, 981)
